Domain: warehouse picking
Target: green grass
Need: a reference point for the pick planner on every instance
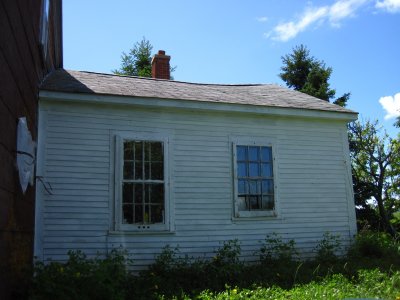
(369, 284)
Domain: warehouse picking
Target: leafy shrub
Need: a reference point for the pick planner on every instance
(225, 266)
(228, 254)
(371, 244)
(168, 276)
(172, 274)
(167, 260)
(274, 249)
(278, 262)
(278, 275)
(82, 278)
(327, 248)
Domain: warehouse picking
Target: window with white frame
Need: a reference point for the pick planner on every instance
(254, 180)
(142, 184)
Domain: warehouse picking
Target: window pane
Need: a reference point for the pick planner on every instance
(138, 151)
(147, 170)
(157, 214)
(242, 172)
(242, 203)
(156, 151)
(157, 171)
(242, 186)
(254, 153)
(147, 193)
(241, 152)
(267, 187)
(138, 193)
(127, 193)
(157, 193)
(147, 147)
(138, 214)
(266, 153)
(138, 170)
(128, 150)
(268, 202)
(128, 170)
(266, 170)
(128, 214)
(254, 202)
(147, 214)
(154, 193)
(254, 170)
(254, 187)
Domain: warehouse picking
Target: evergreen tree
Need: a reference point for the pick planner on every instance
(306, 74)
(138, 61)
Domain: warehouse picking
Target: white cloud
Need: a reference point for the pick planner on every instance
(391, 6)
(344, 9)
(333, 14)
(391, 105)
(286, 31)
(262, 19)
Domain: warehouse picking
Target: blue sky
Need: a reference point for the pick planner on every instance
(237, 41)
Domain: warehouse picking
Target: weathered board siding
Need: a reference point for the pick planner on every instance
(77, 160)
(22, 68)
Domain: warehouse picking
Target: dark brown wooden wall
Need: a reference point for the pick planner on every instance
(22, 68)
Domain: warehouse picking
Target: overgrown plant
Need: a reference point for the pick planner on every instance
(328, 248)
(167, 260)
(228, 254)
(82, 278)
(275, 249)
(371, 244)
(225, 266)
(173, 276)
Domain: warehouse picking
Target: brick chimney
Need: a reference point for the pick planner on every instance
(160, 65)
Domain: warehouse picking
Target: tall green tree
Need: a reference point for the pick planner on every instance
(137, 62)
(306, 74)
(376, 173)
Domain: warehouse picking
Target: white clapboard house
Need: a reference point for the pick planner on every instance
(146, 162)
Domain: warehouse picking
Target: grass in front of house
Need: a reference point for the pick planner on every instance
(368, 284)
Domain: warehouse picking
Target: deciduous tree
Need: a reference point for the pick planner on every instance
(376, 171)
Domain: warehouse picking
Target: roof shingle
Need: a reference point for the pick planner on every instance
(269, 95)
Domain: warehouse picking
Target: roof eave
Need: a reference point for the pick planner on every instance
(194, 105)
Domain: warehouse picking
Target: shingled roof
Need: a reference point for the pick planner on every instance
(269, 95)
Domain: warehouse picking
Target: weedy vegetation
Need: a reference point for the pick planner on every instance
(369, 269)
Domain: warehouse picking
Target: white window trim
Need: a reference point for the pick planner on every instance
(254, 215)
(119, 161)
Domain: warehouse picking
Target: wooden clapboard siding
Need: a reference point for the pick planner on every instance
(22, 68)
(77, 150)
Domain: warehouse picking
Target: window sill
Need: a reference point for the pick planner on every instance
(125, 232)
(256, 214)
(250, 217)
